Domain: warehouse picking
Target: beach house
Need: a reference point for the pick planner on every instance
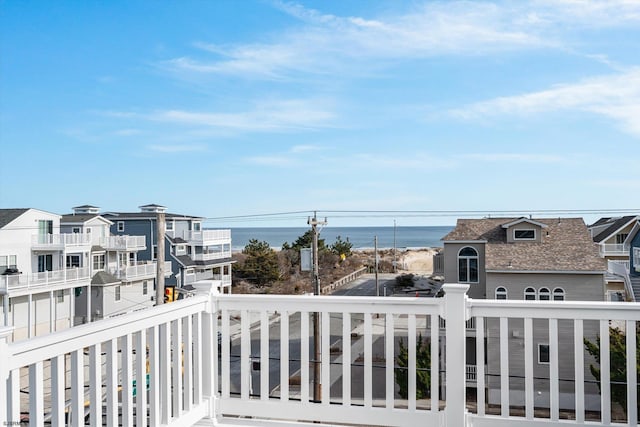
(195, 253)
(612, 235)
(531, 260)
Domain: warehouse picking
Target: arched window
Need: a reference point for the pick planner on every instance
(529, 294)
(468, 265)
(558, 294)
(501, 293)
(544, 294)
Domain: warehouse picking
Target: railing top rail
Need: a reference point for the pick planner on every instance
(23, 353)
(586, 310)
(311, 303)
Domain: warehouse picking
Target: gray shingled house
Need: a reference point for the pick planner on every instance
(528, 259)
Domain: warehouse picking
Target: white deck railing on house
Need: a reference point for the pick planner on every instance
(204, 237)
(222, 254)
(614, 249)
(24, 282)
(123, 243)
(622, 271)
(141, 270)
(263, 366)
(59, 241)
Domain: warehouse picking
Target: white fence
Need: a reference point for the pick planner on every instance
(263, 368)
(123, 242)
(60, 240)
(44, 279)
(613, 249)
(204, 237)
(140, 270)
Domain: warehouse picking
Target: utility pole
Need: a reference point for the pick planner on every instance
(375, 255)
(160, 227)
(317, 387)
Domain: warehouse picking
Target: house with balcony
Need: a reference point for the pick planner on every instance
(527, 260)
(39, 269)
(633, 271)
(120, 282)
(195, 253)
(612, 237)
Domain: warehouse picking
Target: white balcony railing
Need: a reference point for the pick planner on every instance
(204, 237)
(262, 369)
(614, 249)
(59, 241)
(47, 278)
(212, 255)
(123, 243)
(142, 270)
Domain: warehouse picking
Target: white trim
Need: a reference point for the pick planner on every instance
(521, 220)
(518, 239)
(549, 353)
(547, 271)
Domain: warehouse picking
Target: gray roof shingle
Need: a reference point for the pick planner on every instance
(566, 245)
(8, 215)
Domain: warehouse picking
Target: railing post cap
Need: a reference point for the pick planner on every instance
(455, 288)
(5, 331)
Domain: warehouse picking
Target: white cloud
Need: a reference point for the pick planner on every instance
(305, 148)
(517, 157)
(615, 96)
(177, 148)
(277, 161)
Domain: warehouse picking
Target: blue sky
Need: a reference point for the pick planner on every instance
(229, 108)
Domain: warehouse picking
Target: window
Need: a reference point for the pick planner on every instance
(73, 261)
(8, 261)
(117, 292)
(468, 265)
(501, 293)
(181, 249)
(145, 288)
(197, 226)
(155, 252)
(529, 294)
(98, 262)
(60, 295)
(544, 294)
(120, 226)
(524, 234)
(620, 238)
(558, 294)
(543, 353)
(76, 230)
(45, 263)
(169, 226)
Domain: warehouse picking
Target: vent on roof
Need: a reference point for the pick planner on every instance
(153, 208)
(86, 209)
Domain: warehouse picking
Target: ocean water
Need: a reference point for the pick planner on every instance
(361, 237)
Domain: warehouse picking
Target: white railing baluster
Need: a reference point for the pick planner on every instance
(480, 362)
(554, 398)
(245, 353)
(435, 363)
(632, 378)
(367, 361)
(165, 372)
(95, 384)
(389, 341)
(284, 355)
(346, 358)
(226, 350)
(578, 361)
(57, 391)
(198, 373)
(304, 357)
(528, 368)
(411, 371)
(187, 358)
(141, 378)
(77, 388)
(155, 371)
(264, 355)
(176, 366)
(111, 408)
(325, 366)
(36, 394)
(126, 398)
(504, 366)
(605, 373)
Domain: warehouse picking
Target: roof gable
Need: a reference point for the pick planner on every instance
(617, 225)
(8, 215)
(521, 220)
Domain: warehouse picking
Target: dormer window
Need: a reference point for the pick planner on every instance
(528, 234)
